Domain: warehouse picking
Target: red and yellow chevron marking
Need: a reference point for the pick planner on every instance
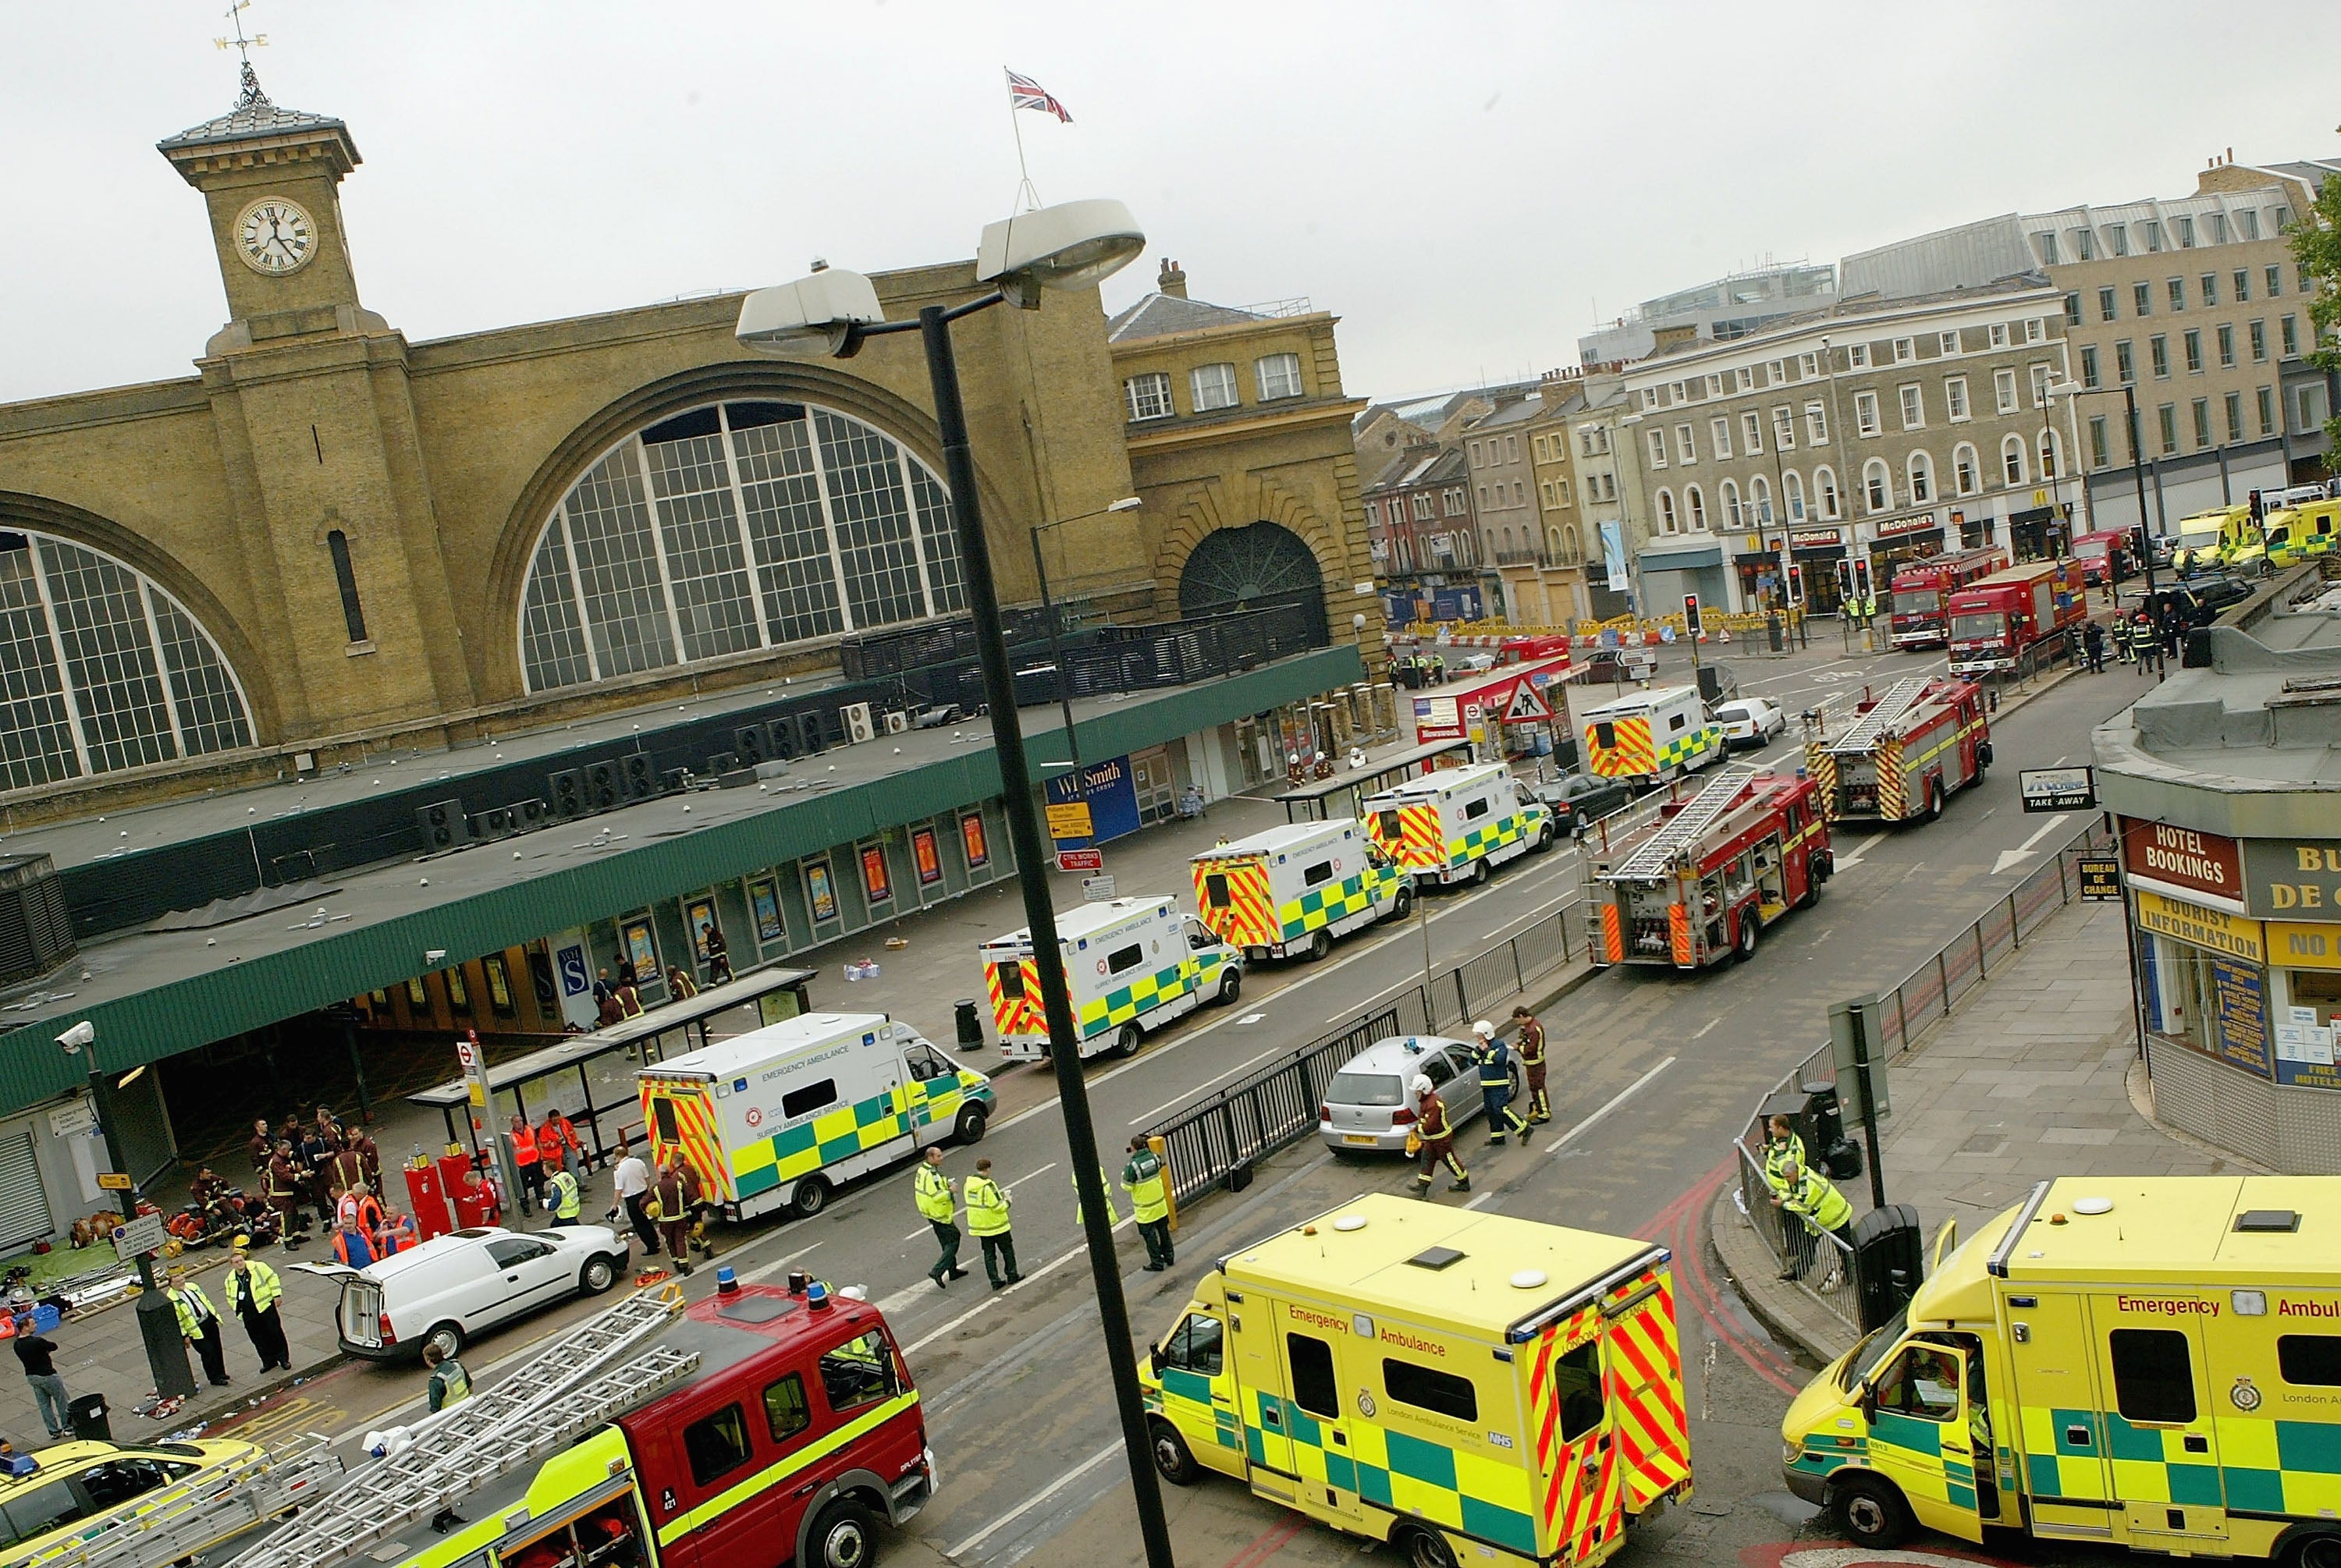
(1017, 1016)
(1419, 846)
(1646, 1402)
(1249, 917)
(694, 1123)
(1566, 1495)
(1633, 753)
(1820, 762)
(1613, 933)
(1679, 933)
(1893, 790)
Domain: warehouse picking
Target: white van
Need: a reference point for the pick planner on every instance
(1131, 965)
(1294, 888)
(448, 1290)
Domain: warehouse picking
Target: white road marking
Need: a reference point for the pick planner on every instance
(1487, 1196)
(1619, 1098)
(1019, 1181)
(1251, 1018)
(2009, 858)
(1851, 861)
(1709, 1026)
(1045, 1269)
(1066, 1479)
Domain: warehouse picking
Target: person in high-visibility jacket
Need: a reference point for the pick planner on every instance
(1782, 1146)
(450, 1383)
(1435, 1137)
(199, 1325)
(1144, 1178)
(563, 1193)
(1495, 1059)
(1810, 1196)
(987, 1219)
(930, 1189)
(1532, 1058)
(253, 1291)
(1111, 1218)
(528, 1161)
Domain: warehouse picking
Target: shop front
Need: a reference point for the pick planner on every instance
(1670, 572)
(1903, 538)
(1818, 554)
(1762, 571)
(2037, 534)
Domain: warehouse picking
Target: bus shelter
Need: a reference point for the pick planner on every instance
(1344, 794)
(775, 993)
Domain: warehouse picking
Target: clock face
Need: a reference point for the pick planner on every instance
(275, 236)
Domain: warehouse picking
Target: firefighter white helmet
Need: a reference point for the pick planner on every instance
(1421, 1085)
(1484, 1029)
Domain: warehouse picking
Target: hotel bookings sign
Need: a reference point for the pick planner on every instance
(2192, 865)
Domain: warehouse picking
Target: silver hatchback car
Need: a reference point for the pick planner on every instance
(1371, 1106)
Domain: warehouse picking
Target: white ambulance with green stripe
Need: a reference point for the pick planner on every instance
(779, 1116)
(1131, 965)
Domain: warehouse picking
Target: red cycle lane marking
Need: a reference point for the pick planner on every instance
(1681, 1217)
(1269, 1541)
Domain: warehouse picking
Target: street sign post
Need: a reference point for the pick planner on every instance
(1081, 860)
(2057, 789)
(1097, 889)
(143, 1233)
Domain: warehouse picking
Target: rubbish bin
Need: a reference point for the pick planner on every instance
(1889, 1262)
(971, 1025)
(1773, 631)
(88, 1416)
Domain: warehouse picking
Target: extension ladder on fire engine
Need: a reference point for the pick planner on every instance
(555, 1397)
(1656, 853)
(1897, 701)
(186, 1517)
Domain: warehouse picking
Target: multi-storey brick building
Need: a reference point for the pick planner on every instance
(1420, 525)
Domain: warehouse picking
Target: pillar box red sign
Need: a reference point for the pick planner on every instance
(2185, 862)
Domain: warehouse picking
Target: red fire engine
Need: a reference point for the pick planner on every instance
(1996, 620)
(1702, 881)
(1905, 753)
(1921, 586)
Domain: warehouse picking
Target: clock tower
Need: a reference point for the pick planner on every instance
(271, 177)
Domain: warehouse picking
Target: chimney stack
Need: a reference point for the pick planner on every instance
(1172, 279)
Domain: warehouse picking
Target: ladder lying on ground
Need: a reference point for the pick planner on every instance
(214, 1505)
(558, 1395)
(1654, 854)
(1899, 699)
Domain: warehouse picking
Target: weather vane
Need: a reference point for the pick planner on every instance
(243, 46)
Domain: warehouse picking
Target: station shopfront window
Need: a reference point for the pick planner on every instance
(2273, 1022)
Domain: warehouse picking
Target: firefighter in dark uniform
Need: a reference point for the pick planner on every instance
(1435, 1136)
(1532, 1058)
(285, 1179)
(1495, 1059)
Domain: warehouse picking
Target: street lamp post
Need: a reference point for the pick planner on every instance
(831, 313)
(159, 1316)
(1048, 616)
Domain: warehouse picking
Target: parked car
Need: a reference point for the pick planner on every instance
(1750, 722)
(1617, 666)
(1370, 1105)
(449, 1290)
(1578, 800)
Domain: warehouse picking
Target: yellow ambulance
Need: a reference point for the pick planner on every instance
(1467, 1386)
(2298, 533)
(2136, 1361)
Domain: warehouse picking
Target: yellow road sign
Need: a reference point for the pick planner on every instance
(1071, 820)
(114, 1181)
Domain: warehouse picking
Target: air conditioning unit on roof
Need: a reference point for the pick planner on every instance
(855, 717)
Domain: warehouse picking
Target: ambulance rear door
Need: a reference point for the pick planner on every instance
(1571, 1426)
(681, 1117)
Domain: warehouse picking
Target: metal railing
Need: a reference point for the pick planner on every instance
(1928, 995)
(1216, 1141)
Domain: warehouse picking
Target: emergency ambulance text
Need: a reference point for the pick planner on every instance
(2159, 1307)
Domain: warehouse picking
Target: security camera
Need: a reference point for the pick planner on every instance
(435, 955)
(81, 1033)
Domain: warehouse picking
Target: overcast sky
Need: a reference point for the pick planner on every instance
(1469, 186)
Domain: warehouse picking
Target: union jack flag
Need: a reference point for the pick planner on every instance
(1024, 93)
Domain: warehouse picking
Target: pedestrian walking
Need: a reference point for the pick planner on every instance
(1810, 1197)
(1434, 1139)
(199, 1325)
(1495, 1059)
(987, 1219)
(252, 1292)
(1532, 1058)
(450, 1383)
(38, 1354)
(2093, 643)
(631, 1182)
(930, 1189)
(673, 1205)
(562, 1195)
(719, 956)
(1149, 1199)
(679, 986)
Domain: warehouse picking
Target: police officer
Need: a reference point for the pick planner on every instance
(1808, 1194)
(252, 1290)
(1495, 1059)
(1150, 1198)
(932, 1191)
(1532, 1058)
(1435, 1136)
(563, 1193)
(987, 1219)
(199, 1324)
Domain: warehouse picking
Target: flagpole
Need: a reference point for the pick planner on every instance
(1025, 193)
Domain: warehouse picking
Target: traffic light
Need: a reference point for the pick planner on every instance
(2259, 507)
(1844, 579)
(1861, 577)
(1796, 583)
(1691, 623)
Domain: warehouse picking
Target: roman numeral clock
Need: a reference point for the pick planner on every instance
(276, 235)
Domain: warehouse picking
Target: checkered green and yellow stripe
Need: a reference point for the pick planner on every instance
(1489, 1501)
(1337, 900)
(1688, 748)
(1147, 992)
(848, 1130)
(2263, 1465)
(1493, 835)
(1194, 1390)
(1944, 1467)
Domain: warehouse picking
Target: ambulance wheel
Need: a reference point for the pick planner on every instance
(1171, 1456)
(1402, 904)
(1231, 988)
(448, 1338)
(809, 1198)
(598, 1275)
(1478, 877)
(1320, 942)
(1751, 929)
(2318, 1550)
(1544, 839)
(1126, 1044)
(1424, 1548)
(1874, 1514)
(969, 1127)
(843, 1537)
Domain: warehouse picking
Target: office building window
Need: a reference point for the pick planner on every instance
(2003, 386)
(2118, 239)
(2185, 227)
(2275, 276)
(1914, 409)
(2243, 285)
(1715, 386)
(2125, 362)
(1955, 397)
(1999, 334)
(2073, 310)
(2098, 455)
(1792, 490)
(2153, 235)
(1865, 413)
(1922, 478)
(2210, 290)
(2158, 348)
(1808, 366)
(1877, 489)
(2201, 408)
(1149, 395)
(2105, 311)
(1857, 357)
(1783, 428)
(1967, 472)
(2167, 417)
(2141, 299)
(2193, 351)
(1905, 350)
(1824, 491)
(1751, 432)
(1718, 434)
(1214, 386)
(2291, 337)
(1649, 397)
(1686, 449)
(2085, 245)
(2249, 219)
(2227, 347)
(2259, 331)
(2177, 293)
(2035, 330)
(2218, 228)
(2047, 239)
(1950, 342)
(2088, 364)
(1744, 378)
(1816, 424)
(1657, 439)
(2011, 460)
(1775, 372)
(2235, 412)
(1278, 376)
(2265, 402)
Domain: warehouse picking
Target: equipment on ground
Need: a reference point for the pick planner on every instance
(1465, 1385)
(1458, 824)
(1294, 888)
(1698, 884)
(1131, 966)
(1905, 753)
